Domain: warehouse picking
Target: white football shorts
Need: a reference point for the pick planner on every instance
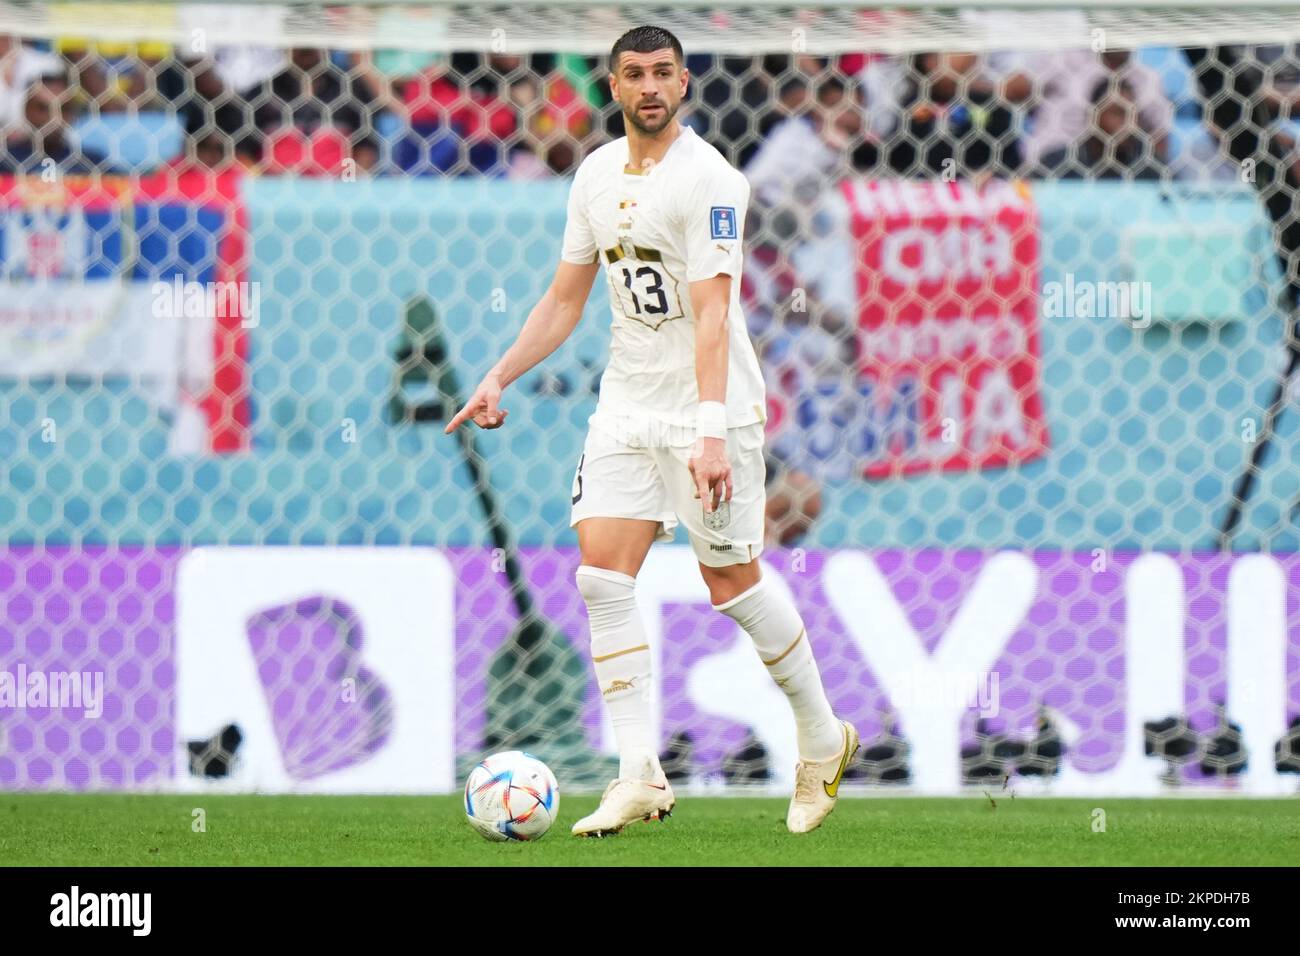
(624, 475)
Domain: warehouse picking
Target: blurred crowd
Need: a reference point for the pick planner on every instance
(131, 108)
(794, 124)
(790, 121)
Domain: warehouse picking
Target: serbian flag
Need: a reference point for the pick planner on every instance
(145, 279)
(948, 365)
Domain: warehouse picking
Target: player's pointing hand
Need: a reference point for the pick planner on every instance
(482, 407)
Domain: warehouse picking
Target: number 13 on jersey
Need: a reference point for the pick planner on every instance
(648, 292)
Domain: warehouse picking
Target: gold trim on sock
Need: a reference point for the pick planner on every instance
(786, 653)
(630, 650)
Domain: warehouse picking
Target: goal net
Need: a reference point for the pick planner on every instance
(1021, 281)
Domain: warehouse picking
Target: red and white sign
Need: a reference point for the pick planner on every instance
(948, 328)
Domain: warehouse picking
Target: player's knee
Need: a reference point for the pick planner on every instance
(611, 600)
(601, 587)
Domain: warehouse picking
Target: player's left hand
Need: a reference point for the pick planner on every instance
(711, 471)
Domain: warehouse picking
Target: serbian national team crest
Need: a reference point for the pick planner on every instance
(723, 222)
(718, 518)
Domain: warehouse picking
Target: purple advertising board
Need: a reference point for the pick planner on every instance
(939, 645)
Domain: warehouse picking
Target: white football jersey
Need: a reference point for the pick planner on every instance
(655, 233)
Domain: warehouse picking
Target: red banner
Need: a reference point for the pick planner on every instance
(948, 328)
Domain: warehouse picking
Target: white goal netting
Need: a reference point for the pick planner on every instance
(1022, 282)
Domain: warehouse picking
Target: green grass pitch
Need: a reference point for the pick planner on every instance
(143, 830)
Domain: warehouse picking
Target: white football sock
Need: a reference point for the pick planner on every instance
(621, 657)
(773, 624)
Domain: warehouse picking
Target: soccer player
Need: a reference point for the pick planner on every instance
(677, 434)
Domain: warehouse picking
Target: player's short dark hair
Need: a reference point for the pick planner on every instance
(645, 39)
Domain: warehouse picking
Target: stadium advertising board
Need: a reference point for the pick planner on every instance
(369, 669)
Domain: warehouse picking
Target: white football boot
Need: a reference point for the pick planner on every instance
(626, 801)
(817, 785)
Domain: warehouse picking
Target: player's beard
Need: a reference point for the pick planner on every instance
(633, 116)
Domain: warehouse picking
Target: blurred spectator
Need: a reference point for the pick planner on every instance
(809, 360)
(315, 116)
(474, 114)
(886, 82)
(46, 136)
(1278, 67)
(460, 114)
(88, 69)
(433, 143)
(791, 100)
(883, 80)
(194, 88)
(20, 66)
(390, 69)
(1011, 74)
(1118, 146)
(386, 73)
(794, 501)
(209, 151)
(949, 125)
(804, 333)
(730, 100)
(1062, 107)
(545, 104)
(588, 79)
(803, 152)
(243, 69)
(550, 144)
(488, 116)
(106, 76)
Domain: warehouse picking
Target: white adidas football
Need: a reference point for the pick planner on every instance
(512, 796)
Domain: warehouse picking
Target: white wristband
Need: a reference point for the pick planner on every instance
(711, 420)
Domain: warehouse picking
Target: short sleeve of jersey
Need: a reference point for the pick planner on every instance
(715, 223)
(579, 242)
